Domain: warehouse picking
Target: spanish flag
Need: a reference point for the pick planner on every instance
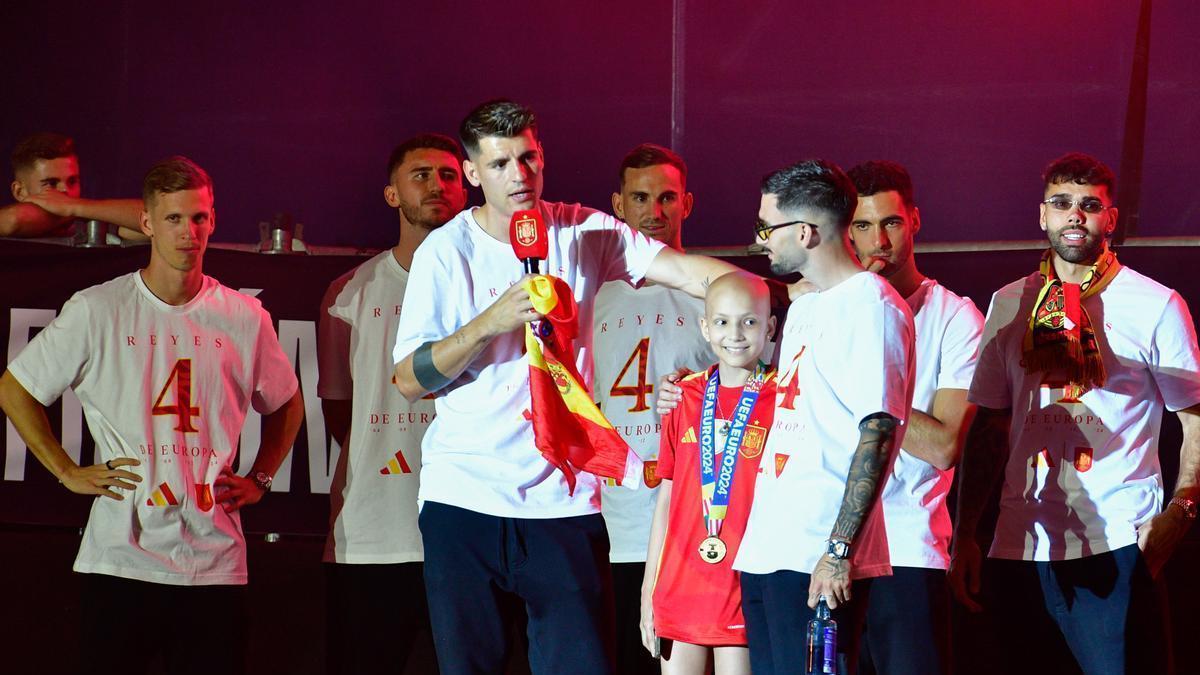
(568, 429)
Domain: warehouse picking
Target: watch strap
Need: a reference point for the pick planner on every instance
(1188, 506)
(838, 549)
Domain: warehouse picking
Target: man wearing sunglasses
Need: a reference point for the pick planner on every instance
(845, 390)
(1079, 360)
(912, 606)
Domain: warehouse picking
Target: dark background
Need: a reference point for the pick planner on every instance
(295, 106)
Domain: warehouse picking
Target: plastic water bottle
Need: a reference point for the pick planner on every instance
(821, 653)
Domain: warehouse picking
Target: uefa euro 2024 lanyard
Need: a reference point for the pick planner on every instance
(716, 488)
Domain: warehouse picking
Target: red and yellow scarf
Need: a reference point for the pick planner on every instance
(1061, 335)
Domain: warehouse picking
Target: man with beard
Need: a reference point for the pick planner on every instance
(640, 333)
(846, 354)
(1079, 360)
(911, 606)
(376, 595)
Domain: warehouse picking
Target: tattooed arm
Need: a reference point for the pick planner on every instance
(435, 364)
(984, 455)
(876, 440)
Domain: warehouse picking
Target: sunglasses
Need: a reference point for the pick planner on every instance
(1087, 204)
(763, 230)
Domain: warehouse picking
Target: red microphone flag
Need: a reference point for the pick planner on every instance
(527, 232)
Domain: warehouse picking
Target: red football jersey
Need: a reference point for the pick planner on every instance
(695, 601)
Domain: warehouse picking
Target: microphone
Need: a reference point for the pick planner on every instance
(527, 232)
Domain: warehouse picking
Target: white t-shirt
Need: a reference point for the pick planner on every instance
(479, 453)
(914, 498)
(846, 354)
(640, 335)
(167, 385)
(1083, 475)
(373, 498)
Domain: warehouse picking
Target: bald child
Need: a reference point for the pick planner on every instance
(708, 459)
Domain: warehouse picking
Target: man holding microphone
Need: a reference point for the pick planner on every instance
(497, 517)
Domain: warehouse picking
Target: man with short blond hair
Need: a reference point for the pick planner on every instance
(165, 361)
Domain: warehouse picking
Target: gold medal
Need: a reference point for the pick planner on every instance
(712, 550)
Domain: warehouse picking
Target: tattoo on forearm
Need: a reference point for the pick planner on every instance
(984, 456)
(877, 436)
(428, 376)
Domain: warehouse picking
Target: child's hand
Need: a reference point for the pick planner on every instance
(801, 287)
(669, 393)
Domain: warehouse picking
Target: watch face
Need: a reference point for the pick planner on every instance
(839, 549)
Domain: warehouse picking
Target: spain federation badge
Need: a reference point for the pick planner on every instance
(753, 440)
(526, 230)
(650, 474)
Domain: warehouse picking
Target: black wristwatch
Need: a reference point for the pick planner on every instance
(837, 549)
(262, 479)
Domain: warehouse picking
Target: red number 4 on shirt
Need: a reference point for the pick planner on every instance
(791, 388)
(642, 389)
(182, 408)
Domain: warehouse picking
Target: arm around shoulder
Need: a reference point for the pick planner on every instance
(689, 273)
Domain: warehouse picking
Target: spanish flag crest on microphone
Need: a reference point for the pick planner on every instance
(568, 429)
